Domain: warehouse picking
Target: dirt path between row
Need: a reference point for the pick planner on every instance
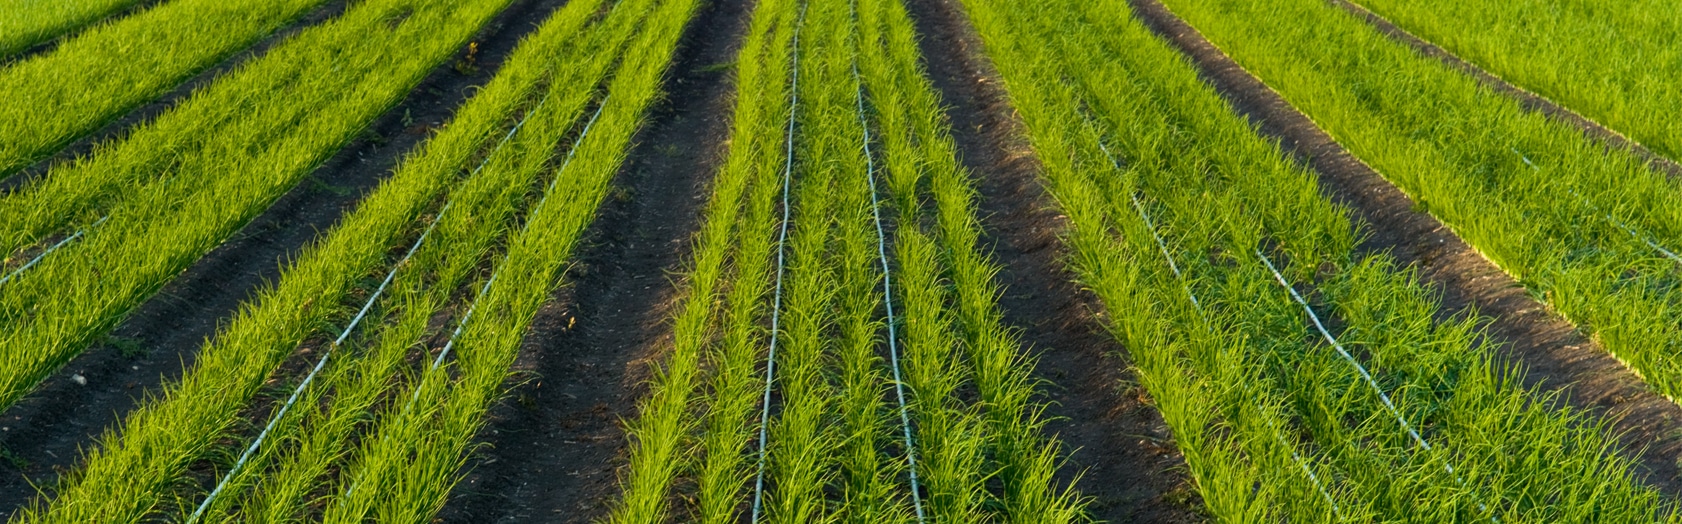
(1528, 100)
(121, 125)
(558, 440)
(1557, 357)
(1119, 446)
(44, 435)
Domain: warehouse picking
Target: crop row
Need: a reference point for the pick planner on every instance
(374, 437)
(1572, 220)
(841, 372)
(1359, 403)
(175, 188)
(24, 23)
(95, 77)
(1609, 61)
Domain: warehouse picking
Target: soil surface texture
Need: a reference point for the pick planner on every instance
(556, 443)
(43, 435)
(1530, 101)
(1119, 445)
(119, 127)
(1523, 331)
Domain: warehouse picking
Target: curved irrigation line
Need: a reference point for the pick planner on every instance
(1321, 327)
(449, 345)
(1615, 222)
(1277, 434)
(782, 241)
(366, 306)
(61, 243)
(888, 298)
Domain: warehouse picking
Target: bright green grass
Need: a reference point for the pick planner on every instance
(1613, 62)
(178, 187)
(1242, 379)
(408, 466)
(24, 23)
(1466, 155)
(835, 449)
(97, 76)
(139, 469)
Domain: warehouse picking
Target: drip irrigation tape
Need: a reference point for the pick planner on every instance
(349, 328)
(1388, 405)
(59, 244)
(1277, 434)
(888, 300)
(473, 306)
(1609, 218)
(782, 241)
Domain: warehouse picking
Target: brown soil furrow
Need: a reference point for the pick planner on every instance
(120, 126)
(1530, 101)
(1556, 357)
(555, 447)
(1117, 442)
(44, 434)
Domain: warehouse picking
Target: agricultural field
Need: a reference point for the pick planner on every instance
(802, 261)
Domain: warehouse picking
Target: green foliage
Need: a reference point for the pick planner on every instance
(86, 82)
(177, 187)
(1609, 61)
(25, 23)
(1241, 377)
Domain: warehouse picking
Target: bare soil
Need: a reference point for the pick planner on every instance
(44, 435)
(1530, 101)
(555, 445)
(120, 126)
(1119, 446)
(1555, 356)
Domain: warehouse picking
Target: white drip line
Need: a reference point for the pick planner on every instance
(55, 246)
(1388, 405)
(1197, 305)
(782, 240)
(888, 299)
(345, 334)
(1609, 218)
(497, 271)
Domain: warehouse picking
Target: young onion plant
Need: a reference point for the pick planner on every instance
(1274, 423)
(1551, 207)
(58, 97)
(143, 467)
(881, 219)
(177, 187)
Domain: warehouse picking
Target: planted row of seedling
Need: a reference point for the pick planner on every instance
(1360, 403)
(854, 366)
(451, 204)
(1576, 222)
(177, 187)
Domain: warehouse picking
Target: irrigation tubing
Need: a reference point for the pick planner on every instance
(483, 289)
(782, 242)
(1172, 266)
(345, 334)
(1609, 218)
(1321, 327)
(888, 299)
(61, 243)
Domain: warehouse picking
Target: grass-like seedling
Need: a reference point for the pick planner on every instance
(1275, 424)
(177, 187)
(25, 23)
(85, 83)
(1604, 60)
(140, 468)
(836, 445)
(1530, 193)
